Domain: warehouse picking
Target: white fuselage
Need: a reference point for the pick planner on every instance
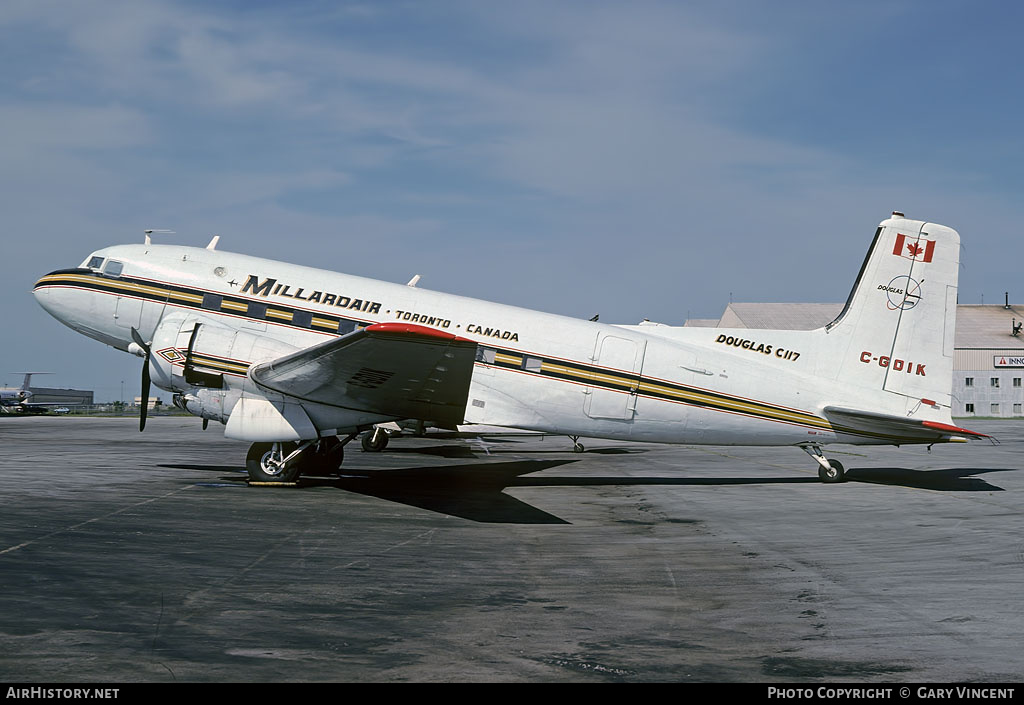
(534, 370)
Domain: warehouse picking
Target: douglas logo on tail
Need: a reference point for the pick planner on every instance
(301, 371)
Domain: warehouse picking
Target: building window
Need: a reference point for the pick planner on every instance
(995, 409)
(970, 408)
(1016, 381)
(1016, 410)
(969, 381)
(993, 381)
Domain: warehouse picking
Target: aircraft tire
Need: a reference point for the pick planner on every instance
(261, 471)
(577, 448)
(836, 474)
(330, 453)
(373, 442)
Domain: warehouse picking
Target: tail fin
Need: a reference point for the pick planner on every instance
(896, 331)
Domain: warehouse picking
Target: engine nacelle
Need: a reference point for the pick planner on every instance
(213, 404)
(190, 355)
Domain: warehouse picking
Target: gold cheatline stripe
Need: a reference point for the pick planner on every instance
(588, 375)
(218, 364)
(733, 404)
(740, 406)
(124, 286)
(753, 408)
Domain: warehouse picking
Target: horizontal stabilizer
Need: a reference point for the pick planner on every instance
(400, 370)
(900, 428)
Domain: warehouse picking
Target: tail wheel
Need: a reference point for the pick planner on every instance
(374, 441)
(835, 473)
(265, 462)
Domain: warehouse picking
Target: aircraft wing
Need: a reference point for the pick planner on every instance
(395, 369)
(910, 430)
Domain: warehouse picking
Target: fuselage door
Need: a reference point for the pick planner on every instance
(615, 378)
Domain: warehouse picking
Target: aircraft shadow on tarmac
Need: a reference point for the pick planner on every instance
(476, 449)
(946, 479)
(477, 491)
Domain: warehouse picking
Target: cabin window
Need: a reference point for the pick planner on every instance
(302, 318)
(212, 302)
(531, 364)
(485, 355)
(113, 268)
(346, 327)
(257, 310)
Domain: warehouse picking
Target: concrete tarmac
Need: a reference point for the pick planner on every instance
(131, 557)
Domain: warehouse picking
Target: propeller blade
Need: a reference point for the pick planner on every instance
(137, 337)
(206, 422)
(145, 394)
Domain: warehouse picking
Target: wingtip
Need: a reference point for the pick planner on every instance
(412, 329)
(949, 428)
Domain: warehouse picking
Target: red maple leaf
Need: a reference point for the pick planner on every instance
(914, 249)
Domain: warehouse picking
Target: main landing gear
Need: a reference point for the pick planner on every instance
(830, 469)
(283, 462)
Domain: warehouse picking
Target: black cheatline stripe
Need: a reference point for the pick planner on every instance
(573, 371)
(691, 396)
(184, 296)
(645, 386)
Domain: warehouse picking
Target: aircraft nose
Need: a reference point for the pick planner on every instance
(48, 293)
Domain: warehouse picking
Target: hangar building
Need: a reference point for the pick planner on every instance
(67, 397)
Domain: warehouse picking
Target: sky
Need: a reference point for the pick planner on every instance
(634, 160)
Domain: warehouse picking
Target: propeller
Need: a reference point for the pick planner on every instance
(145, 378)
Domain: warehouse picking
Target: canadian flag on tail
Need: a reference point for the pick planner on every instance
(917, 249)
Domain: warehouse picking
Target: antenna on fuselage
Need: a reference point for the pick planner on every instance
(149, 240)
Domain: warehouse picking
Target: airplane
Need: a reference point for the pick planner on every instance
(19, 398)
(299, 361)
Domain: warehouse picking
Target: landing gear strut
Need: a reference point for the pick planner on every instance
(374, 441)
(830, 469)
(577, 447)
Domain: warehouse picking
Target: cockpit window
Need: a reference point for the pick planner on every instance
(113, 268)
(95, 262)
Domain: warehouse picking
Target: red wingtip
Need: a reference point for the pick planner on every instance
(952, 429)
(412, 329)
